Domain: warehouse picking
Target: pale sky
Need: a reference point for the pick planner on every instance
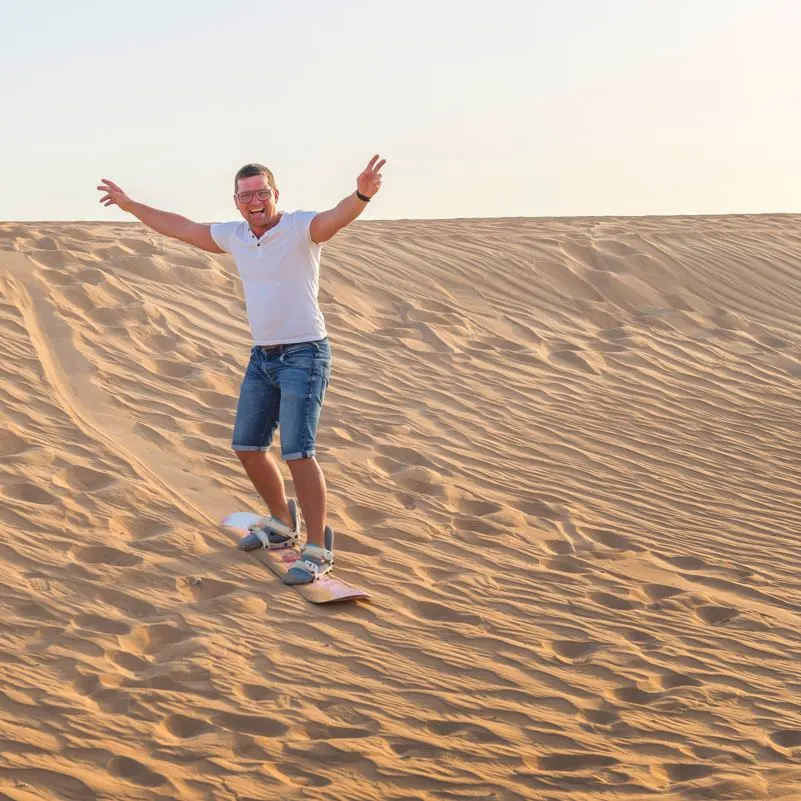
(483, 109)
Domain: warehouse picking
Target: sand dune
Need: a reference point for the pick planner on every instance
(563, 455)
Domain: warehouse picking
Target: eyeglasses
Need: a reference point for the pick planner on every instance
(246, 197)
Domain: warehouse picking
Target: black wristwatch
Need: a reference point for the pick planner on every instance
(362, 197)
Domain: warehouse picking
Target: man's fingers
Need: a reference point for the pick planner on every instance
(374, 165)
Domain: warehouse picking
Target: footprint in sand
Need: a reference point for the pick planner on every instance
(471, 732)
(420, 480)
(566, 564)
(564, 763)
(716, 615)
(196, 588)
(670, 680)
(589, 538)
(610, 539)
(129, 605)
(135, 772)
(136, 528)
(184, 727)
(247, 604)
(11, 444)
(127, 661)
(365, 516)
(557, 547)
(406, 500)
(150, 639)
(654, 593)
(477, 507)
(599, 717)
(104, 555)
(786, 738)
(572, 651)
(683, 772)
(256, 692)
(406, 456)
(102, 625)
(386, 465)
(258, 725)
(327, 731)
(572, 360)
(538, 508)
(688, 563)
(27, 492)
(84, 479)
(642, 639)
(635, 696)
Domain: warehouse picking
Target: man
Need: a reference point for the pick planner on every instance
(277, 254)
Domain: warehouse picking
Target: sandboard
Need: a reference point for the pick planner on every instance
(328, 589)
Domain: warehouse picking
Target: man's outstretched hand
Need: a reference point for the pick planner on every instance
(114, 196)
(369, 182)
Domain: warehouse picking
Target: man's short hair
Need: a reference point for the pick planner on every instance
(250, 170)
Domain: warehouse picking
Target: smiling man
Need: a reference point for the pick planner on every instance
(277, 254)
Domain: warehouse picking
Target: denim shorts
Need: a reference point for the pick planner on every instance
(283, 386)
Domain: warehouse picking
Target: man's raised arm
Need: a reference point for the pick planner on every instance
(327, 223)
(163, 222)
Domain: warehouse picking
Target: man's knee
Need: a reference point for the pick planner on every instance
(300, 461)
(248, 457)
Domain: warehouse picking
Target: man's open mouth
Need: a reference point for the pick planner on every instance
(256, 212)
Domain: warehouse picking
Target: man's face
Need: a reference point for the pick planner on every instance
(256, 199)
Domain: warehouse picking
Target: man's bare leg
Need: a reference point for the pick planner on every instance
(265, 475)
(311, 491)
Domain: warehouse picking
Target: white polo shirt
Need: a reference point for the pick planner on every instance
(280, 274)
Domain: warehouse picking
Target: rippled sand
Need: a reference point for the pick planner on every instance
(563, 455)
